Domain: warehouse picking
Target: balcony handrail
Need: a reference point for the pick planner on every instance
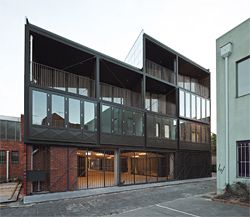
(59, 70)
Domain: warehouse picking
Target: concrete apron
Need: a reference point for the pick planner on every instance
(98, 191)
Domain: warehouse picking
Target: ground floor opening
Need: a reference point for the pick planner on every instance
(58, 168)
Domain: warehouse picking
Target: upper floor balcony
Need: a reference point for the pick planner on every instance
(50, 77)
(160, 71)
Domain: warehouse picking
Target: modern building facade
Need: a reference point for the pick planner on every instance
(94, 121)
(233, 106)
(12, 153)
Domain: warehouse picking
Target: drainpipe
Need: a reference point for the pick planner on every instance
(31, 58)
(226, 51)
(7, 165)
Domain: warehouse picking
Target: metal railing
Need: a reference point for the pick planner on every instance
(46, 76)
(160, 71)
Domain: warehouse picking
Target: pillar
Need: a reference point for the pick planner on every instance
(117, 171)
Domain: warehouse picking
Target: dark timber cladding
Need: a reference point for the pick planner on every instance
(153, 117)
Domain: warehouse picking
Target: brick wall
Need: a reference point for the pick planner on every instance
(63, 168)
(61, 164)
(15, 170)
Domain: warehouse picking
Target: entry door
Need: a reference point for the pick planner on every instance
(81, 163)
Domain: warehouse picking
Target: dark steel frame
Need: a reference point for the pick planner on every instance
(174, 146)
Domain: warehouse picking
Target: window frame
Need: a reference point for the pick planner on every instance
(3, 162)
(237, 76)
(18, 157)
(247, 142)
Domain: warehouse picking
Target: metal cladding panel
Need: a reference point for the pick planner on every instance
(36, 175)
(49, 134)
(192, 164)
(162, 143)
(122, 140)
(194, 146)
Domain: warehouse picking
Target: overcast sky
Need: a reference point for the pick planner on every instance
(111, 26)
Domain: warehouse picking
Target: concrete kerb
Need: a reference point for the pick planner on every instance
(99, 191)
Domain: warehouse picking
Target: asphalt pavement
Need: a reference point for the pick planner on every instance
(189, 199)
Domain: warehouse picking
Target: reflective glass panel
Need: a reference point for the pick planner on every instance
(106, 119)
(39, 108)
(193, 99)
(74, 114)
(182, 105)
(198, 107)
(203, 114)
(11, 130)
(129, 123)
(117, 121)
(57, 112)
(18, 131)
(89, 116)
(208, 108)
(138, 124)
(187, 105)
(3, 129)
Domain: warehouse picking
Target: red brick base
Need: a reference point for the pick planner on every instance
(60, 163)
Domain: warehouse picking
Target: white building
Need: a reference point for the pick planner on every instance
(233, 106)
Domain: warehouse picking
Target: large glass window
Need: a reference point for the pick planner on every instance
(182, 104)
(208, 108)
(18, 131)
(11, 130)
(198, 106)
(129, 123)
(188, 106)
(3, 125)
(243, 79)
(138, 124)
(74, 113)
(106, 119)
(57, 111)
(193, 106)
(203, 108)
(39, 108)
(117, 121)
(89, 116)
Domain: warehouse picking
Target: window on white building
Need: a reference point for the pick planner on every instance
(243, 159)
(243, 77)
